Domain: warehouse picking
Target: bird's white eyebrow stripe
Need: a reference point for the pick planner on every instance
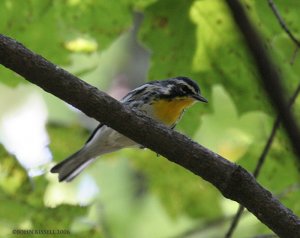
(191, 88)
(159, 87)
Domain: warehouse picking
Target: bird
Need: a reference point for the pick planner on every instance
(164, 101)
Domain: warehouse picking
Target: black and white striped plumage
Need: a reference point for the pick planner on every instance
(144, 98)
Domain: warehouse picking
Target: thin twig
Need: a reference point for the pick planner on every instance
(277, 122)
(235, 221)
(282, 23)
(260, 163)
(214, 224)
(285, 28)
(269, 76)
(276, 125)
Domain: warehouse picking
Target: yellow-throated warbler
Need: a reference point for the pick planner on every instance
(164, 101)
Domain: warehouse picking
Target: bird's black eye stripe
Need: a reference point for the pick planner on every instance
(186, 90)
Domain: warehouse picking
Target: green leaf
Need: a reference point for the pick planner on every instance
(235, 132)
(165, 32)
(46, 27)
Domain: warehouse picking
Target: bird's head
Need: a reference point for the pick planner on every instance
(181, 88)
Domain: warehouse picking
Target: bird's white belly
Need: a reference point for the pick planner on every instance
(107, 140)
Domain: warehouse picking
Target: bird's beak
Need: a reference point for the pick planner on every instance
(200, 98)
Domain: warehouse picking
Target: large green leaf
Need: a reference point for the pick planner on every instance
(47, 27)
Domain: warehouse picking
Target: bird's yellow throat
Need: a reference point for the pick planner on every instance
(168, 111)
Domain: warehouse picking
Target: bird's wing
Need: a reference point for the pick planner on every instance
(94, 132)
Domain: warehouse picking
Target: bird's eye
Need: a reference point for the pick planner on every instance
(185, 89)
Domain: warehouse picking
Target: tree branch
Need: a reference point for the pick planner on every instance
(277, 121)
(233, 181)
(260, 163)
(268, 75)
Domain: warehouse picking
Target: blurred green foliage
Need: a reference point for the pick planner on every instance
(140, 194)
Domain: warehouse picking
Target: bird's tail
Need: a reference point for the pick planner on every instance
(71, 167)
